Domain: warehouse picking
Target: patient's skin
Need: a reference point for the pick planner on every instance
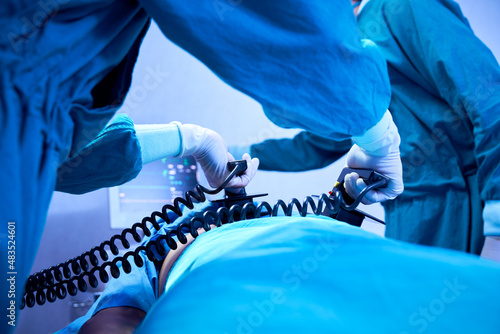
(172, 256)
(114, 320)
(124, 319)
(355, 9)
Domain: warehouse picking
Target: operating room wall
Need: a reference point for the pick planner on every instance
(186, 91)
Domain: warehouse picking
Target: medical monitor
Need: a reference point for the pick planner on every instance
(157, 184)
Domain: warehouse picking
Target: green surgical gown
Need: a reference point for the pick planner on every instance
(446, 104)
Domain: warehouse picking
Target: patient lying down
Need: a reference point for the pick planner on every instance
(300, 274)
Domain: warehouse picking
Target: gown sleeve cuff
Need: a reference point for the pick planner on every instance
(158, 141)
(381, 139)
(491, 217)
(111, 159)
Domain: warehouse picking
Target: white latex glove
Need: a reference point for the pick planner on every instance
(210, 151)
(378, 149)
(491, 249)
(491, 218)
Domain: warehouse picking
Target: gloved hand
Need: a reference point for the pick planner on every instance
(378, 149)
(491, 218)
(491, 249)
(210, 151)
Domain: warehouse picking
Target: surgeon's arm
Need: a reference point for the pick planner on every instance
(466, 74)
(377, 149)
(302, 60)
(491, 248)
(206, 146)
(111, 159)
(118, 153)
(305, 151)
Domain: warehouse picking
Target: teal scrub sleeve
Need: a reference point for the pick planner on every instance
(111, 159)
(462, 69)
(306, 151)
(301, 60)
(491, 217)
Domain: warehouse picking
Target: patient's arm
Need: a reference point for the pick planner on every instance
(119, 320)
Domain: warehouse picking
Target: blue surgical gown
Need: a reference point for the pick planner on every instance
(111, 159)
(66, 67)
(313, 274)
(446, 104)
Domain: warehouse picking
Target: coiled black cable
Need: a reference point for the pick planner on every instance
(77, 273)
(68, 277)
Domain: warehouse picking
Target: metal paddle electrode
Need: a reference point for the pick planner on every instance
(347, 213)
(237, 195)
(353, 216)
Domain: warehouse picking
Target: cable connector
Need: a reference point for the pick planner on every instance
(348, 212)
(240, 165)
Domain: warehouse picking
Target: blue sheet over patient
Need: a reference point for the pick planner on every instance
(289, 274)
(285, 274)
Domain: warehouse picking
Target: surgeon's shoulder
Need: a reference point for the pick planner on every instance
(391, 7)
(402, 12)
